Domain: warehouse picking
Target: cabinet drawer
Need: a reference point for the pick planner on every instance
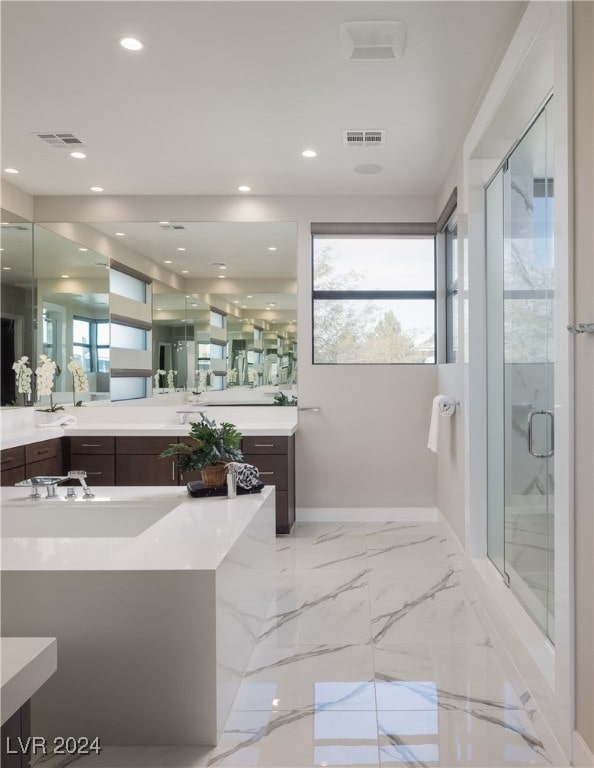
(44, 450)
(145, 470)
(100, 469)
(277, 444)
(144, 445)
(12, 457)
(272, 469)
(52, 466)
(13, 475)
(92, 445)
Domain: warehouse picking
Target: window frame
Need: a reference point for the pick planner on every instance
(451, 290)
(375, 231)
(92, 346)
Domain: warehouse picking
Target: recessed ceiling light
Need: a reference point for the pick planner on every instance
(272, 247)
(309, 153)
(83, 250)
(131, 44)
(222, 266)
(78, 155)
(249, 296)
(181, 249)
(194, 305)
(159, 309)
(11, 170)
(64, 276)
(244, 188)
(96, 189)
(167, 261)
(243, 306)
(185, 271)
(236, 301)
(164, 222)
(222, 277)
(7, 268)
(120, 234)
(272, 304)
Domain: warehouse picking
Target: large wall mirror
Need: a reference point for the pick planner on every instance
(221, 299)
(17, 302)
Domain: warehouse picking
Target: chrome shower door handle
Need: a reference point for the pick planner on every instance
(531, 451)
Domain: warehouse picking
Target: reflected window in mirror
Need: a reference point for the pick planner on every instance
(90, 344)
(128, 286)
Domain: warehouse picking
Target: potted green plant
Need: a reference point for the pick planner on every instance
(210, 448)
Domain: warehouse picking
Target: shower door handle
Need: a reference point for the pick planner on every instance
(531, 451)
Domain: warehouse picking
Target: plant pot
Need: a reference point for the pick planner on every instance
(215, 475)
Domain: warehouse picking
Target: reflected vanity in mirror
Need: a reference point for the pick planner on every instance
(221, 301)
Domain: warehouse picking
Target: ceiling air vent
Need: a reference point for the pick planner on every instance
(60, 140)
(364, 138)
(172, 226)
(372, 40)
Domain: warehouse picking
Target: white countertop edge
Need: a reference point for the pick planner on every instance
(195, 535)
(27, 662)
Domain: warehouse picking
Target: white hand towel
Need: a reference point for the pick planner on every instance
(66, 420)
(444, 405)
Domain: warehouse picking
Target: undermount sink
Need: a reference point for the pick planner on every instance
(81, 518)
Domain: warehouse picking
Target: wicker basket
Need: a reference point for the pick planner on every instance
(215, 475)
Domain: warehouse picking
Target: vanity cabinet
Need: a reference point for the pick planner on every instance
(43, 458)
(275, 459)
(138, 461)
(12, 465)
(96, 456)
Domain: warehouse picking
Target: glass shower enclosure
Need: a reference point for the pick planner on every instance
(520, 415)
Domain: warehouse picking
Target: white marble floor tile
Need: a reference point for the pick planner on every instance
(446, 621)
(463, 675)
(322, 676)
(323, 557)
(298, 738)
(391, 589)
(483, 738)
(412, 551)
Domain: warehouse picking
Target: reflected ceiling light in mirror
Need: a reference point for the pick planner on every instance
(309, 153)
(120, 234)
(11, 170)
(272, 247)
(185, 271)
(249, 296)
(244, 188)
(131, 43)
(65, 276)
(163, 223)
(78, 155)
(7, 268)
(167, 261)
(222, 277)
(96, 189)
(83, 250)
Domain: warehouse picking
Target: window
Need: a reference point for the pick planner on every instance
(217, 319)
(128, 388)
(374, 296)
(451, 270)
(128, 286)
(90, 344)
(128, 336)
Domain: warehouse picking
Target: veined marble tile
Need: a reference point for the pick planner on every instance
(323, 557)
(462, 676)
(447, 621)
(414, 551)
(319, 609)
(390, 589)
(477, 739)
(321, 676)
(324, 533)
(298, 738)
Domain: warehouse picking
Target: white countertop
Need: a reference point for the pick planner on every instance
(196, 534)
(27, 662)
(251, 421)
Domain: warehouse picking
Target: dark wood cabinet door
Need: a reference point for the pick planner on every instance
(100, 469)
(12, 476)
(46, 449)
(134, 469)
(52, 466)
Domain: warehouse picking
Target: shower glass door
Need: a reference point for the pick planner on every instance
(520, 304)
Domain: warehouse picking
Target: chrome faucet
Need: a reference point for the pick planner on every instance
(51, 482)
(183, 415)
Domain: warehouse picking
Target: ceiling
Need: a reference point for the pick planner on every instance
(229, 93)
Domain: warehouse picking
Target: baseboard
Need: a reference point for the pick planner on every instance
(366, 514)
(582, 756)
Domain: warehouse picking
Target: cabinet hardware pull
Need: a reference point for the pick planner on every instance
(94, 473)
(173, 470)
(42, 453)
(266, 473)
(90, 445)
(10, 458)
(263, 445)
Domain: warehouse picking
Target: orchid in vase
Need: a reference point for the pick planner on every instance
(80, 383)
(46, 372)
(23, 373)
